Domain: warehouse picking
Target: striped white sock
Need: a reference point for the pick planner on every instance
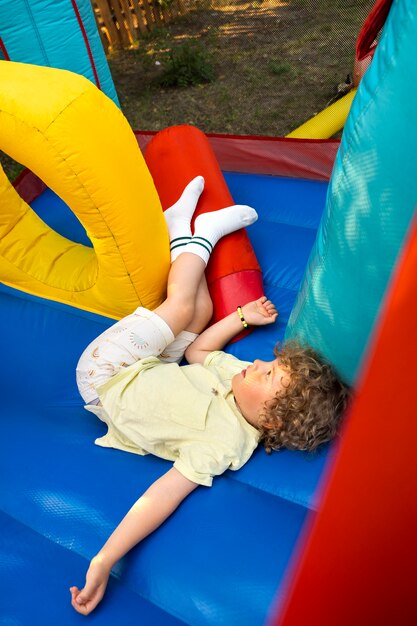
(178, 216)
(210, 227)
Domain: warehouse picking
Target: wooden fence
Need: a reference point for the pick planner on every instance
(122, 22)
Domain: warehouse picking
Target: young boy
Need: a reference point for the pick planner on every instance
(210, 415)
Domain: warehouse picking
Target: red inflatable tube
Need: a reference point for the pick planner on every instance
(365, 44)
(174, 157)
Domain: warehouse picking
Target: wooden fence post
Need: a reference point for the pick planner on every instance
(144, 25)
(120, 21)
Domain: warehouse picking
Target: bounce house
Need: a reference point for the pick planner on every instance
(291, 538)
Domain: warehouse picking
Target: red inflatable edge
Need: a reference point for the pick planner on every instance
(311, 159)
(365, 43)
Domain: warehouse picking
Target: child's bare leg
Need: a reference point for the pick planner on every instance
(183, 281)
(188, 268)
(179, 309)
(203, 311)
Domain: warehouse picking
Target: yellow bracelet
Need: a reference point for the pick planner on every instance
(242, 319)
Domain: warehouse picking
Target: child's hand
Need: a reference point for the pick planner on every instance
(86, 600)
(260, 312)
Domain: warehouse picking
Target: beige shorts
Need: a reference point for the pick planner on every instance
(136, 336)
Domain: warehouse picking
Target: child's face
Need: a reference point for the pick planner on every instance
(256, 385)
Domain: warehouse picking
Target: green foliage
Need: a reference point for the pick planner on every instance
(164, 4)
(158, 34)
(187, 64)
(279, 68)
(203, 5)
(11, 168)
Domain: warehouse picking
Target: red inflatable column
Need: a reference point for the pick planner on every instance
(174, 157)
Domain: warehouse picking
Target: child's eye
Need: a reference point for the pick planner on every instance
(268, 373)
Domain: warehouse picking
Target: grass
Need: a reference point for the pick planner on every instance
(273, 64)
(285, 57)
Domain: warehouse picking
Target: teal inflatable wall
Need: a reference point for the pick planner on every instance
(370, 202)
(61, 34)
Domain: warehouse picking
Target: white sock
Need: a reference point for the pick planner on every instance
(210, 227)
(178, 216)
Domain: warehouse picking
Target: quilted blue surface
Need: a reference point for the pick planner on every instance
(222, 558)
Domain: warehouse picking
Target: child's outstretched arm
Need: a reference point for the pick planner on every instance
(153, 508)
(257, 313)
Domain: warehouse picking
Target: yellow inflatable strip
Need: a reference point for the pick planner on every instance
(77, 141)
(326, 123)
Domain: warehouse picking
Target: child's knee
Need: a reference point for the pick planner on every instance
(203, 311)
(206, 305)
(184, 309)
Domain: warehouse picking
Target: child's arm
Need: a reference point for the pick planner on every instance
(257, 313)
(154, 507)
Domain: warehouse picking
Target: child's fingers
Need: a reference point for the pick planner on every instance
(77, 596)
(269, 307)
(85, 608)
(266, 308)
(262, 302)
(79, 602)
(78, 608)
(74, 603)
(74, 591)
(271, 319)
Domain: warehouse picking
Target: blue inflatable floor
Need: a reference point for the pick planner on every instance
(221, 559)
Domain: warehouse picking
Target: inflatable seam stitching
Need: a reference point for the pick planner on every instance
(36, 30)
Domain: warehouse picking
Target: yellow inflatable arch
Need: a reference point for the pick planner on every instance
(77, 141)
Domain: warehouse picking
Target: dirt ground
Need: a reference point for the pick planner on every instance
(276, 63)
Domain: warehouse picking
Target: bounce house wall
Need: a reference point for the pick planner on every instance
(362, 546)
(61, 34)
(45, 355)
(370, 203)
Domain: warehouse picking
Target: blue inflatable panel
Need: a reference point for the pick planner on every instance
(32, 559)
(222, 557)
(61, 34)
(289, 214)
(371, 201)
(52, 210)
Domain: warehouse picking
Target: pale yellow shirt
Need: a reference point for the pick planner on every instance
(184, 414)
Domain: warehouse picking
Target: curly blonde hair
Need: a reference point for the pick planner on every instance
(307, 413)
